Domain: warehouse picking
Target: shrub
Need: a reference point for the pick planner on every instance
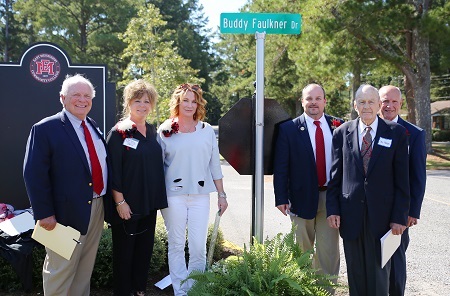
(218, 248)
(102, 276)
(159, 258)
(277, 267)
(102, 273)
(9, 280)
(441, 135)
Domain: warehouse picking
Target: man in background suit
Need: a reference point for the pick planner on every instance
(368, 193)
(61, 188)
(300, 185)
(391, 103)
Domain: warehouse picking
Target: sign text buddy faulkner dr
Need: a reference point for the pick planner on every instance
(271, 23)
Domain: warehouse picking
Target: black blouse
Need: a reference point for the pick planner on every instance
(137, 173)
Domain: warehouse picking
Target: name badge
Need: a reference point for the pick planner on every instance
(385, 142)
(131, 142)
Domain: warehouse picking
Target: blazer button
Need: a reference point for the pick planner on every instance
(90, 184)
(362, 201)
(89, 202)
(366, 183)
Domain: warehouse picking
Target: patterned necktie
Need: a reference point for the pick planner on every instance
(366, 148)
(320, 155)
(97, 175)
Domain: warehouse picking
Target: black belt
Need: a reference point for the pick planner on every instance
(95, 197)
(322, 188)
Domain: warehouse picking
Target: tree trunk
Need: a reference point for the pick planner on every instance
(5, 54)
(356, 83)
(409, 91)
(421, 87)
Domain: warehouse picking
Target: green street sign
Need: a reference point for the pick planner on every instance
(250, 23)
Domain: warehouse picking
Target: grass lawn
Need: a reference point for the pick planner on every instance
(439, 159)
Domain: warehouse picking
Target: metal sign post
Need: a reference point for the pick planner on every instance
(258, 211)
(259, 24)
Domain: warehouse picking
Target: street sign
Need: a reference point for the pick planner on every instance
(270, 23)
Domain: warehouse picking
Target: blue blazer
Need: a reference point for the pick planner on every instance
(294, 170)
(384, 192)
(57, 174)
(417, 165)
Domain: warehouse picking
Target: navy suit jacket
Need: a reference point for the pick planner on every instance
(57, 174)
(294, 171)
(417, 165)
(381, 197)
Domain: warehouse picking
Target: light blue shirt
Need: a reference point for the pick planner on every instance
(362, 130)
(98, 143)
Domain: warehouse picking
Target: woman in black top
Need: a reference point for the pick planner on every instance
(138, 189)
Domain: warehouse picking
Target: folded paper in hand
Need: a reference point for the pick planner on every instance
(389, 244)
(61, 240)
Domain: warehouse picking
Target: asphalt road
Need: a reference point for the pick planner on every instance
(428, 255)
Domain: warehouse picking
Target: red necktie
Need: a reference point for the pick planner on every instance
(366, 148)
(320, 155)
(97, 175)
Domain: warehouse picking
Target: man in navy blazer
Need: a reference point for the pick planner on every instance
(298, 190)
(391, 103)
(59, 183)
(365, 202)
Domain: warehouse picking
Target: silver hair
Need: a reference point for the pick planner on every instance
(364, 88)
(71, 80)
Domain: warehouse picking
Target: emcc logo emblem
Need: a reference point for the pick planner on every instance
(45, 68)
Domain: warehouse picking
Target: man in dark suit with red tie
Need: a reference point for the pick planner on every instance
(301, 165)
(368, 193)
(391, 103)
(65, 175)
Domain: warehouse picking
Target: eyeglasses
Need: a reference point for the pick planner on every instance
(191, 87)
(134, 218)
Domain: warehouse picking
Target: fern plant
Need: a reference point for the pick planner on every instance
(276, 267)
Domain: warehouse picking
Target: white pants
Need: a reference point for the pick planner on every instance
(191, 211)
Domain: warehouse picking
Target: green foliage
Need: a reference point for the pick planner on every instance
(154, 58)
(86, 29)
(218, 247)
(39, 254)
(192, 40)
(159, 257)
(441, 135)
(102, 276)
(13, 33)
(277, 267)
(9, 281)
(102, 273)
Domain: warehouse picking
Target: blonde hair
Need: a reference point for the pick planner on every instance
(179, 94)
(135, 90)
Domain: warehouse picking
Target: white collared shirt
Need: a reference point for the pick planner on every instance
(327, 137)
(98, 143)
(362, 130)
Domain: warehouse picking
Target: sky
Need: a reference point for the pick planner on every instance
(213, 9)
